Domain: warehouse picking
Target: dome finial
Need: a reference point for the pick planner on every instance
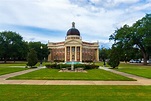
(73, 24)
(73, 30)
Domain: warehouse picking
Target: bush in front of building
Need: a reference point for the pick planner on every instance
(58, 60)
(57, 66)
(79, 66)
(64, 66)
(91, 66)
(84, 66)
(50, 65)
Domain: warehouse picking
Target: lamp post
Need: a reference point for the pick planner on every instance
(41, 56)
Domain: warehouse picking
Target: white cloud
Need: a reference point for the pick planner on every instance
(96, 19)
(141, 7)
(108, 3)
(126, 1)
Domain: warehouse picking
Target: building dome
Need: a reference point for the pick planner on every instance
(73, 30)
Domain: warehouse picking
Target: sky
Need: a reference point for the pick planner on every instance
(49, 20)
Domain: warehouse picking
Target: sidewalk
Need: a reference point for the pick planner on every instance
(4, 77)
(140, 80)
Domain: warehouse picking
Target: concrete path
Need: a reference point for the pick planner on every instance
(4, 77)
(140, 80)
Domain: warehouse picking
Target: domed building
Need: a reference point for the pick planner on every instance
(73, 48)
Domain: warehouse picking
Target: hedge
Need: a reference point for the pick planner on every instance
(84, 66)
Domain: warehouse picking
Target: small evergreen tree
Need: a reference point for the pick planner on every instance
(32, 58)
(114, 59)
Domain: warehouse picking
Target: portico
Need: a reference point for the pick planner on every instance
(72, 53)
(73, 48)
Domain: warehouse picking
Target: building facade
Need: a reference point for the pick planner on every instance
(73, 48)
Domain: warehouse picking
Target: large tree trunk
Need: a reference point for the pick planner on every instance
(145, 56)
(14, 60)
(144, 53)
(5, 59)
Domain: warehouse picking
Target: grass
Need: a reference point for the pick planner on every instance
(7, 70)
(12, 64)
(136, 69)
(53, 74)
(139, 70)
(74, 93)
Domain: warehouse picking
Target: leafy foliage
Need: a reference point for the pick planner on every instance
(32, 58)
(114, 58)
(12, 45)
(103, 54)
(135, 36)
(40, 48)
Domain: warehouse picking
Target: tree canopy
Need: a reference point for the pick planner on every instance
(136, 36)
(40, 48)
(12, 45)
(103, 54)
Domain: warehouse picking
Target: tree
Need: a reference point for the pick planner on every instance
(32, 58)
(103, 54)
(12, 45)
(41, 52)
(138, 35)
(114, 58)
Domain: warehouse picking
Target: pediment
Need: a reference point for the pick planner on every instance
(73, 42)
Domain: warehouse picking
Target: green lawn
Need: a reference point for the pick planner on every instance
(20, 64)
(74, 93)
(136, 69)
(53, 74)
(12, 64)
(7, 70)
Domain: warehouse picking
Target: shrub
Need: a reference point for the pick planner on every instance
(59, 66)
(48, 66)
(32, 58)
(92, 66)
(114, 59)
(79, 66)
(64, 65)
(113, 63)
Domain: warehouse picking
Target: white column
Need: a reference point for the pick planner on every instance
(80, 53)
(70, 53)
(97, 57)
(65, 53)
(75, 53)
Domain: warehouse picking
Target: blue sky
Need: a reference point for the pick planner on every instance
(49, 20)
